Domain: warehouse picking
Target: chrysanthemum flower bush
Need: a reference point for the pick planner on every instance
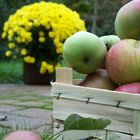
(37, 32)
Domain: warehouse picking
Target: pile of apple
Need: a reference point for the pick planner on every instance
(112, 61)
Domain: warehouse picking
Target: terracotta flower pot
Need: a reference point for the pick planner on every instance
(32, 75)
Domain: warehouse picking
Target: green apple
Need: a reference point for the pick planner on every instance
(84, 52)
(110, 40)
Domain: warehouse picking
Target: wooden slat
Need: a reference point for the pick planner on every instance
(100, 96)
(121, 118)
(120, 114)
(76, 135)
(120, 136)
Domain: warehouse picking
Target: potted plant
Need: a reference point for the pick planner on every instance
(36, 32)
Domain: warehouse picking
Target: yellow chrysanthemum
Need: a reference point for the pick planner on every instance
(51, 34)
(41, 33)
(29, 59)
(45, 67)
(23, 51)
(50, 68)
(41, 39)
(40, 27)
(61, 20)
(3, 35)
(59, 50)
(8, 53)
(11, 45)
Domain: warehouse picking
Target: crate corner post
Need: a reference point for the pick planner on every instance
(137, 123)
(64, 75)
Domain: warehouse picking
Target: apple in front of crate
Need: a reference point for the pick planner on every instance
(130, 88)
(84, 52)
(22, 135)
(110, 40)
(123, 61)
(127, 22)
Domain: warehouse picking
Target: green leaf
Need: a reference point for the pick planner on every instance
(101, 123)
(76, 122)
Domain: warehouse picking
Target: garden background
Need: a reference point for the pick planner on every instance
(99, 16)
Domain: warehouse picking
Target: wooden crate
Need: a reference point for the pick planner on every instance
(122, 109)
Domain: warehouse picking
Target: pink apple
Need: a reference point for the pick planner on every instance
(22, 135)
(127, 23)
(123, 61)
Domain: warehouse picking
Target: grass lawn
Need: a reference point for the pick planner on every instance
(12, 72)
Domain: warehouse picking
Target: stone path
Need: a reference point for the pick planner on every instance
(26, 107)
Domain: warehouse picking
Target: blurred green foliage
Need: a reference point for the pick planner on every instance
(105, 12)
(99, 15)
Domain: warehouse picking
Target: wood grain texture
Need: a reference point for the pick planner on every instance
(64, 75)
(137, 123)
(104, 135)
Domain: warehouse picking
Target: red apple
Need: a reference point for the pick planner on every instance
(127, 23)
(130, 88)
(123, 61)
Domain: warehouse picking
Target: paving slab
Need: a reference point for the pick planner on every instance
(21, 104)
(9, 108)
(21, 122)
(29, 98)
(36, 114)
(8, 101)
(30, 104)
(22, 89)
